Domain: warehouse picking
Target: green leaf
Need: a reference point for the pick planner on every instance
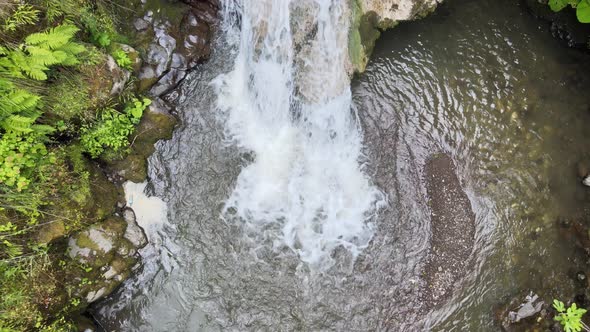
(583, 11)
(557, 5)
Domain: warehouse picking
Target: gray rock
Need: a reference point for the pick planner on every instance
(93, 296)
(158, 59)
(163, 38)
(140, 24)
(178, 70)
(134, 233)
(530, 307)
(120, 76)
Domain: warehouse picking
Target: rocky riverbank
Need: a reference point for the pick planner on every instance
(171, 39)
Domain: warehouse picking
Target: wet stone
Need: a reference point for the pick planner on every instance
(134, 233)
(453, 231)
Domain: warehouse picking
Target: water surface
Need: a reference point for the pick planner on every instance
(480, 80)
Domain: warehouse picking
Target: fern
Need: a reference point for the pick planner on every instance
(23, 15)
(16, 101)
(53, 38)
(18, 124)
(40, 51)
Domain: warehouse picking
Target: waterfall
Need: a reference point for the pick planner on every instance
(288, 102)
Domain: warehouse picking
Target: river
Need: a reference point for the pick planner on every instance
(299, 202)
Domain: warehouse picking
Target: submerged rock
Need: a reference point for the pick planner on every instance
(452, 228)
(523, 313)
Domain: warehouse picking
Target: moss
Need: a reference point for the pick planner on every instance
(115, 226)
(104, 193)
(356, 50)
(50, 232)
(69, 98)
(368, 31)
(83, 241)
(153, 127)
(363, 34)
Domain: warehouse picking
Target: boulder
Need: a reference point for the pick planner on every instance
(370, 17)
(174, 46)
(134, 233)
(106, 255)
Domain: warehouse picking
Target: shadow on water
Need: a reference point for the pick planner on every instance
(480, 81)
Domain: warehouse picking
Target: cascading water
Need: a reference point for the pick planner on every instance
(288, 101)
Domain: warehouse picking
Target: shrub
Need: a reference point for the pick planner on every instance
(113, 128)
(23, 15)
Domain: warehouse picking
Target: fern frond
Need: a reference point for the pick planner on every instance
(44, 56)
(36, 72)
(22, 100)
(43, 129)
(53, 38)
(23, 15)
(73, 48)
(18, 124)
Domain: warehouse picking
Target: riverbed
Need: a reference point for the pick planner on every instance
(481, 82)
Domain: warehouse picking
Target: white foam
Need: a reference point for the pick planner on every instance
(306, 188)
(150, 211)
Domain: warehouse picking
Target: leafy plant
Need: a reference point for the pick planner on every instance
(41, 50)
(582, 8)
(123, 59)
(20, 156)
(113, 129)
(23, 15)
(570, 318)
(100, 27)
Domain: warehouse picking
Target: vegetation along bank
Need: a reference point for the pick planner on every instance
(86, 89)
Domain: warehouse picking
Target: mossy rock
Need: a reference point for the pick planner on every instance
(104, 193)
(104, 80)
(51, 232)
(156, 124)
(363, 35)
(97, 245)
(69, 98)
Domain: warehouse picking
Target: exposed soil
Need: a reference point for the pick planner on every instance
(453, 231)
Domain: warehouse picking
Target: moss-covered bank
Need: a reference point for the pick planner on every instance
(84, 84)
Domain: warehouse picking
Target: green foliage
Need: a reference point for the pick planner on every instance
(20, 156)
(41, 50)
(23, 15)
(582, 8)
(69, 99)
(570, 318)
(123, 59)
(43, 185)
(56, 10)
(113, 128)
(100, 27)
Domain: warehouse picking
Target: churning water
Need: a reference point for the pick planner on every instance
(305, 187)
(269, 198)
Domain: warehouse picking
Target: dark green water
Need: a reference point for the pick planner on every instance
(480, 80)
(486, 82)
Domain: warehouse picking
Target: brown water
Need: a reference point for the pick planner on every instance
(480, 80)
